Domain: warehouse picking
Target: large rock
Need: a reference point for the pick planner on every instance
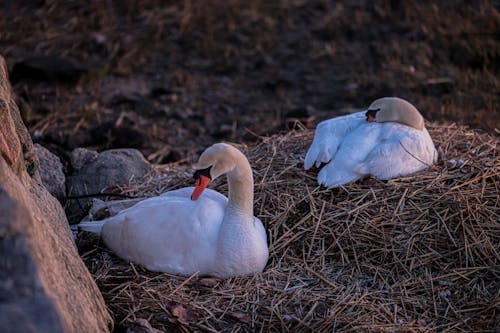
(95, 172)
(44, 285)
(10, 143)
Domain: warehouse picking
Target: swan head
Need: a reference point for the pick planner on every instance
(394, 109)
(215, 161)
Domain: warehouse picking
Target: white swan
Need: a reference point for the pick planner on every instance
(386, 141)
(183, 232)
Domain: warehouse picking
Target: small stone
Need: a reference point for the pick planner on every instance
(81, 157)
(141, 326)
(51, 172)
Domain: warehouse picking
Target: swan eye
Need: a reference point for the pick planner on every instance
(202, 172)
(371, 114)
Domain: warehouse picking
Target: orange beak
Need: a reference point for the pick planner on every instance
(370, 118)
(201, 185)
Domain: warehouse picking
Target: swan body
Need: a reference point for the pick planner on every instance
(386, 141)
(186, 231)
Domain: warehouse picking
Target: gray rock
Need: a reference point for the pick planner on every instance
(51, 172)
(81, 157)
(35, 314)
(25, 305)
(44, 285)
(94, 173)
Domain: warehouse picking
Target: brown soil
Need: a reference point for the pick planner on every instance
(172, 77)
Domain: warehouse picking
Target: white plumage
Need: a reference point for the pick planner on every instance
(213, 235)
(354, 148)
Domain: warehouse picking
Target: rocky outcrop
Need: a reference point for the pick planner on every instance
(10, 140)
(95, 172)
(44, 285)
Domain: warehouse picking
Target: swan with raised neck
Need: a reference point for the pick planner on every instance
(194, 230)
(220, 159)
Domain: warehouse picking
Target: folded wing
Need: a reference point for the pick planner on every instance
(328, 136)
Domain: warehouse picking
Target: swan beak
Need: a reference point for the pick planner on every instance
(370, 118)
(201, 185)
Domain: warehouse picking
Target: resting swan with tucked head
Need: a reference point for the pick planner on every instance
(183, 232)
(386, 141)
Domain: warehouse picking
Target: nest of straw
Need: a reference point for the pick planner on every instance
(415, 254)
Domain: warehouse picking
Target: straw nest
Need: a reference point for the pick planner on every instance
(414, 254)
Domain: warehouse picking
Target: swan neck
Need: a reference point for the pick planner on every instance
(240, 182)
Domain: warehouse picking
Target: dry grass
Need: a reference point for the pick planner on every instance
(415, 254)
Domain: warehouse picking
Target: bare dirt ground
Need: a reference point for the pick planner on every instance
(170, 78)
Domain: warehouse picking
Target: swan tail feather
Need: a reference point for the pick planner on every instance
(311, 157)
(91, 226)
